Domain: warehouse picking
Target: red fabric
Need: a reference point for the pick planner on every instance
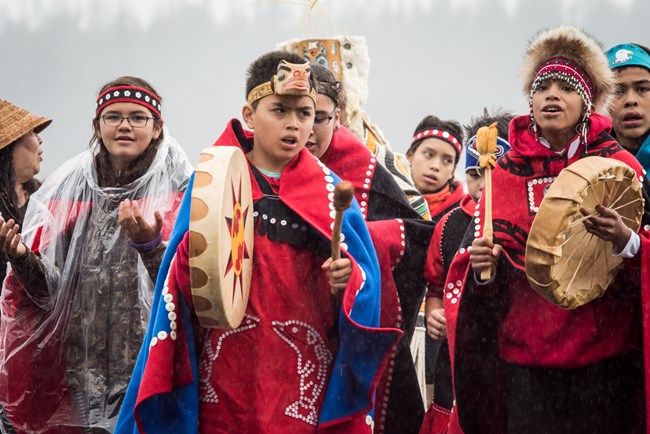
(445, 199)
(645, 313)
(171, 355)
(254, 370)
(352, 161)
(433, 268)
(272, 383)
(38, 368)
(436, 421)
(357, 425)
(459, 269)
(32, 381)
(387, 239)
(130, 99)
(534, 332)
(21, 319)
(439, 420)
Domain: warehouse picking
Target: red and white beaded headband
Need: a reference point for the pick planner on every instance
(558, 67)
(439, 134)
(132, 94)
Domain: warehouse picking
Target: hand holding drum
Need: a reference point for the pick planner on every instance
(566, 263)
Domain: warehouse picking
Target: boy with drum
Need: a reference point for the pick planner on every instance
(301, 361)
(520, 363)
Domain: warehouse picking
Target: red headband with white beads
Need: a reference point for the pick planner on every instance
(132, 94)
(439, 134)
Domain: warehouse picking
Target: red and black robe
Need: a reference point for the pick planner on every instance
(401, 238)
(507, 320)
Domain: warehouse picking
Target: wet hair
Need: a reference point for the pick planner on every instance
(8, 182)
(327, 84)
(499, 115)
(265, 67)
(106, 175)
(433, 122)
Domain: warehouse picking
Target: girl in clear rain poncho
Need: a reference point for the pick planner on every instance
(76, 302)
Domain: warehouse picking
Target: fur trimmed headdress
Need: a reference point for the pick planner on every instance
(568, 47)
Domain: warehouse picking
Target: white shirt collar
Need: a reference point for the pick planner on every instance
(572, 148)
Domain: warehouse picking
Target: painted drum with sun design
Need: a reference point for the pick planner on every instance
(238, 250)
(221, 237)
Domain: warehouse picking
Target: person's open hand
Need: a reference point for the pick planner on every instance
(135, 226)
(10, 239)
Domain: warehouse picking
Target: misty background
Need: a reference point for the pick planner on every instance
(450, 58)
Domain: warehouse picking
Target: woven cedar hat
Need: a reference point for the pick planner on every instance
(16, 122)
(577, 48)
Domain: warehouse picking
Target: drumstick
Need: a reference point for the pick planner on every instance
(488, 230)
(486, 145)
(343, 194)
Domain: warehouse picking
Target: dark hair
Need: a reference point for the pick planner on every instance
(499, 115)
(8, 182)
(106, 175)
(327, 84)
(265, 67)
(432, 122)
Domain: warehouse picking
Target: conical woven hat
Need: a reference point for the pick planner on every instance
(16, 122)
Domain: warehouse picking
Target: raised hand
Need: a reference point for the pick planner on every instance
(135, 226)
(10, 239)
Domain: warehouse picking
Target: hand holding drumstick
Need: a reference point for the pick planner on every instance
(339, 270)
(486, 144)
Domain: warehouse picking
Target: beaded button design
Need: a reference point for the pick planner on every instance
(171, 313)
(313, 364)
(210, 356)
(537, 188)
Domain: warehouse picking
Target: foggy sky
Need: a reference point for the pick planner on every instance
(448, 58)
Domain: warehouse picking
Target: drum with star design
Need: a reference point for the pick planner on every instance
(221, 237)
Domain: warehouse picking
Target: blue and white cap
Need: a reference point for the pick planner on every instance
(628, 55)
(472, 155)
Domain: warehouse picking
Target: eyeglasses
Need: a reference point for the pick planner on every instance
(136, 121)
(321, 121)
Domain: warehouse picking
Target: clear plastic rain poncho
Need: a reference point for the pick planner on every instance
(67, 349)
